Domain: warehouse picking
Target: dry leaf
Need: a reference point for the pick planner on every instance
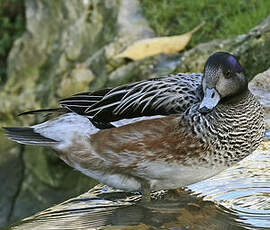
(134, 227)
(152, 46)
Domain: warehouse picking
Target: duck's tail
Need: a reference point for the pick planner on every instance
(58, 133)
(48, 111)
(31, 135)
(28, 136)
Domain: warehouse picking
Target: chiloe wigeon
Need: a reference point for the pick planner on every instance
(162, 133)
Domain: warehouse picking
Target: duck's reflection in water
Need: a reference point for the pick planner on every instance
(104, 208)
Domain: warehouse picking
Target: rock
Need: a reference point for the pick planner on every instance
(131, 23)
(75, 81)
(252, 49)
(261, 82)
(46, 181)
(59, 37)
(260, 86)
(11, 177)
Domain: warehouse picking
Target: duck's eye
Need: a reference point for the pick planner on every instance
(228, 74)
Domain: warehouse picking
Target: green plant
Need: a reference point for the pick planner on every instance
(12, 25)
(223, 18)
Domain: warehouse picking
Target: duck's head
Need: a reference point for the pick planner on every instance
(223, 79)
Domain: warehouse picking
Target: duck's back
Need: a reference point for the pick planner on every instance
(173, 94)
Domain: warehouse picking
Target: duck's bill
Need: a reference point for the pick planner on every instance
(210, 100)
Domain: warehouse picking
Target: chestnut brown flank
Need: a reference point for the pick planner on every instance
(147, 140)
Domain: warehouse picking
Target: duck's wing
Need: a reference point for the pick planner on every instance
(77, 103)
(80, 102)
(159, 96)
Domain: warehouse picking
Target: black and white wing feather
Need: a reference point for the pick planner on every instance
(160, 96)
(80, 102)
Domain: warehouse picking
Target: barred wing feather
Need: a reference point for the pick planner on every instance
(159, 96)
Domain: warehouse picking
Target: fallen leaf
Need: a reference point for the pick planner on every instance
(153, 46)
(134, 227)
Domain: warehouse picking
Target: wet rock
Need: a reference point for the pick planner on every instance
(11, 177)
(252, 49)
(260, 86)
(46, 181)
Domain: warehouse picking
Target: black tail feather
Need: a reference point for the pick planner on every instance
(27, 135)
(49, 111)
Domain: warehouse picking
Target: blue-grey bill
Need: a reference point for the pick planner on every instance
(210, 100)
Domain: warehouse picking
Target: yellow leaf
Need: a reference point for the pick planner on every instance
(153, 46)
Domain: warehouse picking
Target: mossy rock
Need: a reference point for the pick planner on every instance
(252, 49)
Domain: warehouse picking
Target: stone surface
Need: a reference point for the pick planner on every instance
(252, 49)
(11, 177)
(260, 86)
(60, 35)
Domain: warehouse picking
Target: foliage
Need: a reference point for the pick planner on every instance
(12, 20)
(223, 18)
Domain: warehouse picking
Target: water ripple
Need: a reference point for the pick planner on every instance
(243, 190)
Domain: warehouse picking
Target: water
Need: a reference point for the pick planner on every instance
(243, 190)
(236, 199)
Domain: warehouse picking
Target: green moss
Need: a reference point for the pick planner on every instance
(223, 18)
(256, 58)
(12, 21)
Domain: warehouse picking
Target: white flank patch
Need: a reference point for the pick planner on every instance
(114, 180)
(162, 175)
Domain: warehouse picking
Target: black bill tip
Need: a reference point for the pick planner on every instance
(204, 110)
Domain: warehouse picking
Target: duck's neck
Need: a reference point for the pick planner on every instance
(236, 125)
(236, 98)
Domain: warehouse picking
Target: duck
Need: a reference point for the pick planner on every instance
(156, 134)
